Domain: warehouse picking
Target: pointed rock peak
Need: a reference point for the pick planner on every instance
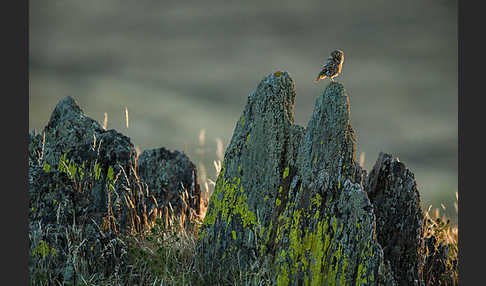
(330, 142)
(277, 78)
(393, 192)
(67, 109)
(334, 104)
(277, 87)
(335, 88)
(68, 100)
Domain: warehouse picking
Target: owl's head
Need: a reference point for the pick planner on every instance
(338, 55)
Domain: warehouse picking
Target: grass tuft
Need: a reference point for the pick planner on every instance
(160, 247)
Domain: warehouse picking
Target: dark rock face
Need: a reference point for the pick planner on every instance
(392, 190)
(84, 191)
(170, 176)
(63, 222)
(81, 141)
(295, 200)
(75, 137)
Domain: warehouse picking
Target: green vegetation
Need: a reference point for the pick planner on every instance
(160, 251)
(443, 238)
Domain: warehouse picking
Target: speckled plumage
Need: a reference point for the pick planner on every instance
(332, 67)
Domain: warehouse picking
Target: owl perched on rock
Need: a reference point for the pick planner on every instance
(332, 67)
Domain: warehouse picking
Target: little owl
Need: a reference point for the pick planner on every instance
(332, 67)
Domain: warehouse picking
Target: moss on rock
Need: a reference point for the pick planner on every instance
(293, 199)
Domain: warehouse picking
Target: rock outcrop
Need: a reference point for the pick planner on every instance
(72, 138)
(85, 191)
(294, 199)
(393, 192)
(171, 178)
(73, 141)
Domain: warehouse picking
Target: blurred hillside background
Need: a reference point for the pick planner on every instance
(184, 66)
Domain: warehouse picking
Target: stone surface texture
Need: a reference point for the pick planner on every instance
(171, 178)
(85, 191)
(294, 199)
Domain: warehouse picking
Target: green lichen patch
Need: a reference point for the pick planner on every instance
(286, 173)
(365, 275)
(305, 251)
(228, 200)
(247, 139)
(43, 250)
(312, 249)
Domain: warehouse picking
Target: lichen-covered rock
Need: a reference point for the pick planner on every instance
(77, 196)
(264, 144)
(72, 137)
(74, 142)
(170, 176)
(70, 131)
(292, 198)
(85, 192)
(67, 234)
(393, 192)
(329, 145)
